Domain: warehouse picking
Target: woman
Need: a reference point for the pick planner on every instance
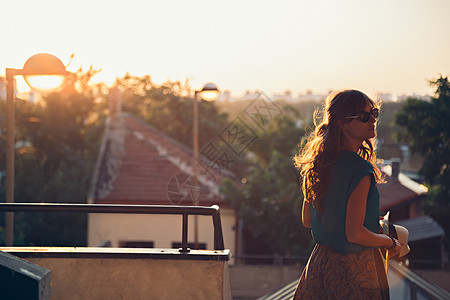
(341, 203)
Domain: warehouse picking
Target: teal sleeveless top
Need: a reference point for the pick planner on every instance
(328, 227)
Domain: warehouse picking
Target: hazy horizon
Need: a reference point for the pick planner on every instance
(382, 47)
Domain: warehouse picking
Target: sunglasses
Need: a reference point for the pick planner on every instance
(365, 116)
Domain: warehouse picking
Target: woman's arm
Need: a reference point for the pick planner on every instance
(306, 214)
(356, 210)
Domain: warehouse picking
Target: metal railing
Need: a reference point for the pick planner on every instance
(184, 211)
(416, 286)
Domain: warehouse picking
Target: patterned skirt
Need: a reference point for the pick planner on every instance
(331, 275)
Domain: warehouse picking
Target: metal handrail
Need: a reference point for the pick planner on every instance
(417, 283)
(185, 211)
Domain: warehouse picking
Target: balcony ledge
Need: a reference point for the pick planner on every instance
(131, 273)
(128, 253)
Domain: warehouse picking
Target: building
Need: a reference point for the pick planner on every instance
(384, 97)
(403, 198)
(400, 195)
(139, 165)
(401, 98)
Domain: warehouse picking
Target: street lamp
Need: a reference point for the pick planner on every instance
(209, 92)
(42, 72)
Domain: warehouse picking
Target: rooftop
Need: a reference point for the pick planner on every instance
(422, 228)
(138, 164)
(397, 191)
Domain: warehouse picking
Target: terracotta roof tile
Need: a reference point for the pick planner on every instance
(140, 165)
(398, 191)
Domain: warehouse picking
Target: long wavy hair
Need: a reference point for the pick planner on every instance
(317, 157)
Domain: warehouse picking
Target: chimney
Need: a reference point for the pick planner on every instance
(395, 167)
(115, 104)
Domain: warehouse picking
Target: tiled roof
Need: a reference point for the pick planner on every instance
(398, 191)
(140, 165)
(422, 228)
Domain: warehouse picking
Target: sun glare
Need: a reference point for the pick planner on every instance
(45, 83)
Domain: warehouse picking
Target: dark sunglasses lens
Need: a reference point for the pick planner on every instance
(365, 116)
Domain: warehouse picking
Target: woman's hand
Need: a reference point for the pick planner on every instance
(394, 247)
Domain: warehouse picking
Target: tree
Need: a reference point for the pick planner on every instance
(269, 201)
(283, 135)
(56, 147)
(269, 206)
(427, 127)
(169, 108)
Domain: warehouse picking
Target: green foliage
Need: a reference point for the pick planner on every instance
(283, 135)
(56, 166)
(269, 206)
(269, 202)
(169, 108)
(56, 146)
(386, 126)
(427, 127)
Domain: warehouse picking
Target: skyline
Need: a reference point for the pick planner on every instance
(378, 47)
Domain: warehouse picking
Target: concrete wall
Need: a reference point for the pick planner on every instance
(75, 278)
(163, 230)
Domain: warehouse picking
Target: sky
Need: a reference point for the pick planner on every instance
(376, 46)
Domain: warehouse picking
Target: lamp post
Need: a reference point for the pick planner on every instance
(42, 72)
(209, 92)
